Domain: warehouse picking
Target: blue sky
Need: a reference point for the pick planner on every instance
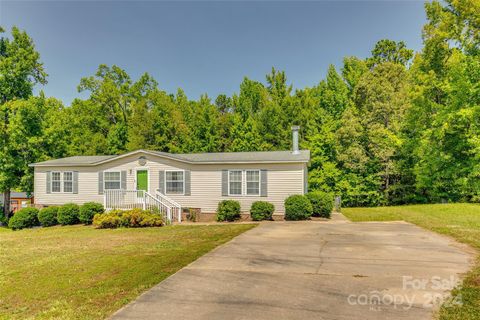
(206, 47)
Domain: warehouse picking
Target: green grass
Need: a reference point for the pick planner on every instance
(79, 272)
(4, 229)
(460, 221)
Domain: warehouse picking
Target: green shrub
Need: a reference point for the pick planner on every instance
(89, 210)
(110, 220)
(151, 220)
(261, 210)
(3, 218)
(68, 214)
(135, 218)
(322, 203)
(48, 216)
(132, 218)
(24, 218)
(298, 207)
(228, 210)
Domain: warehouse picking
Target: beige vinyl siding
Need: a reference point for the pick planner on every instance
(206, 186)
(284, 179)
(87, 186)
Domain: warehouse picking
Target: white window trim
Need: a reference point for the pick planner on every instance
(244, 183)
(259, 183)
(51, 181)
(63, 181)
(241, 182)
(105, 180)
(165, 183)
(60, 173)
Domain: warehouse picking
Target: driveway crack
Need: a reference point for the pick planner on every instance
(320, 257)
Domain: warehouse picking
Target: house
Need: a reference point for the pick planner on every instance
(18, 200)
(169, 182)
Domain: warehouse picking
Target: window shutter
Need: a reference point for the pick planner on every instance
(263, 183)
(100, 182)
(123, 180)
(224, 182)
(75, 182)
(161, 181)
(49, 181)
(187, 182)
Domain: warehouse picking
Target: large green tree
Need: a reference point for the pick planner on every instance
(390, 51)
(112, 95)
(20, 70)
(370, 136)
(442, 127)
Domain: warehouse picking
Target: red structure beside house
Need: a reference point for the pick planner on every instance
(18, 200)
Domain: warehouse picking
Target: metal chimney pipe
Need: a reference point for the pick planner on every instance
(295, 139)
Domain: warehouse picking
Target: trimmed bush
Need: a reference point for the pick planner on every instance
(228, 210)
(48, 216)
(151, 220)
(322, 203)
(24, 218)
(89, 210)
(298, 207)
(68, 214)
(110, 220)
(135, 218)
(261, 210)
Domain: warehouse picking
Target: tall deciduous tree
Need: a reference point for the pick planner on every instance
(390, 51)
(352, 70)
(443, 126)
(371, 134)
(333, 93)
(20, 70)
(113, 93)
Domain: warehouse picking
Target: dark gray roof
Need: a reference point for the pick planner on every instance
(220, 157)
(258, 156)
(14, 194)
(77, 160)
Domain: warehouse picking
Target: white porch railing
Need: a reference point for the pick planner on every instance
(131, 199)
(175, 207)
(123, 199)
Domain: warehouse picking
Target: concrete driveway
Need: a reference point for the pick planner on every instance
(312, 270)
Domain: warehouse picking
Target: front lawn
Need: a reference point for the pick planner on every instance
(79, 272)
(460, 221)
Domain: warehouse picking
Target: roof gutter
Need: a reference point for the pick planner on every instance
(189, 162)
(179, 159)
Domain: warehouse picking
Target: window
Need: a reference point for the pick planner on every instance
(253, 182)
(68, 181)
(61, 181)
(235, 182)
(244, 182)
(111, 180)
(174, 182)
(56, 182)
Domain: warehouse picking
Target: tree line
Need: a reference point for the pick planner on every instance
(397, 127)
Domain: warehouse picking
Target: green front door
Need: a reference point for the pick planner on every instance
(142, 180)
